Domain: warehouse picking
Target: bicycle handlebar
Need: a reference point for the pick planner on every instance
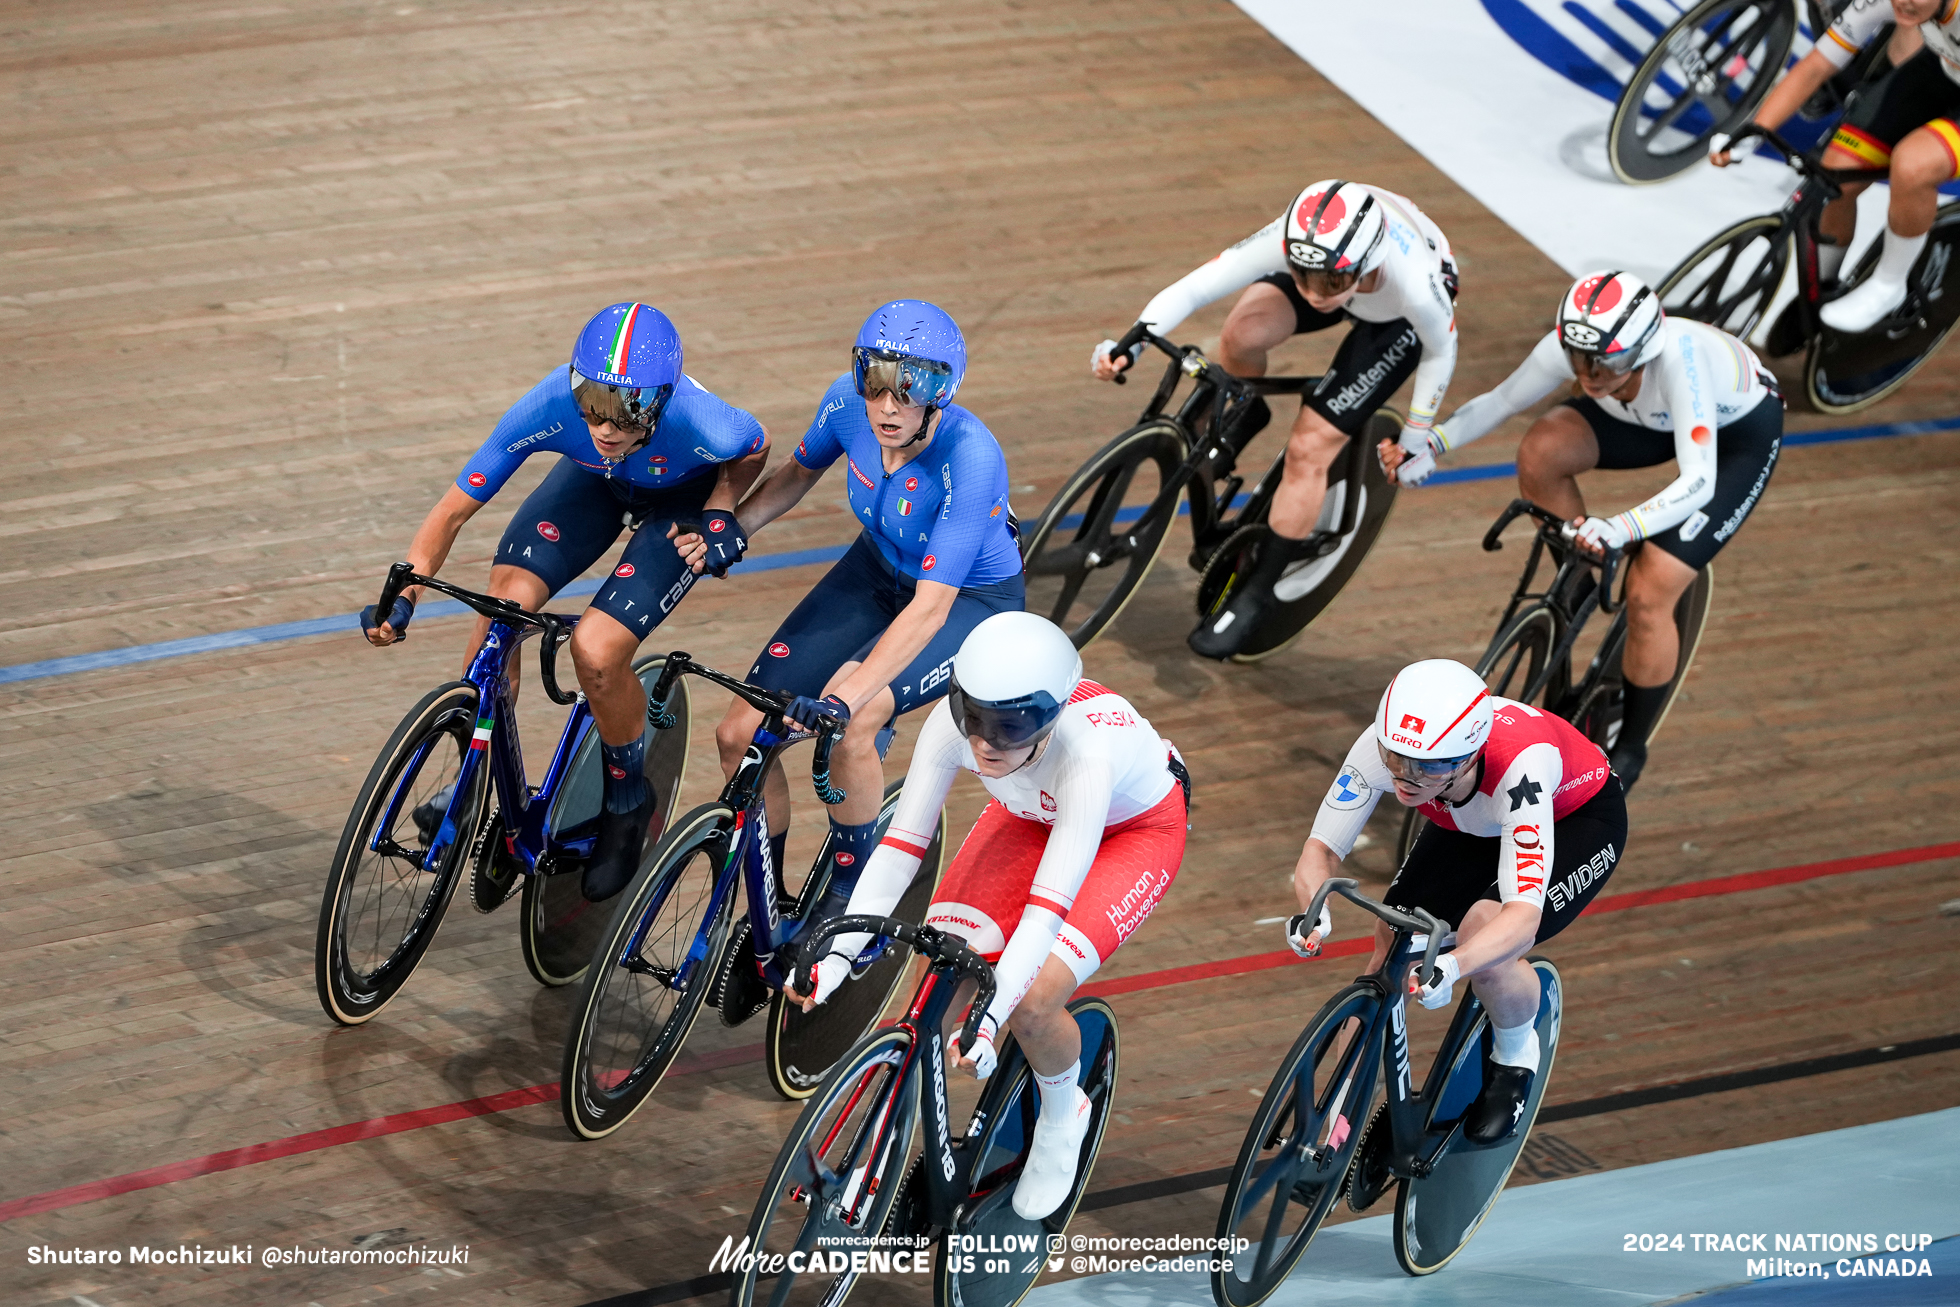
(1182, 355)
(1609, 561)
(680, 663)
(1417, 921)
(927, 941)
(555, 628)
(1800, 160)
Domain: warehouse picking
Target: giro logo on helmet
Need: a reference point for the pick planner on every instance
(1330, 217)
(1609, 294)
(548, 531)
(624, 569)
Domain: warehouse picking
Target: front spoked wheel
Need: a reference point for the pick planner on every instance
(649, 977)
(402, 853)
(1102, 532)
(803, 1045)
(561, 927)
(835, 1179)
(1732, 281)
(1294, 1162)
(1706, 74)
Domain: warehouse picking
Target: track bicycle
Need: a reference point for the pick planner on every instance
(1758, 280)
(847, 1178)
(1530, 657)
(1708, 72)
(1302, 1151)
(673, 946)
(448, 794)
(1102, 532)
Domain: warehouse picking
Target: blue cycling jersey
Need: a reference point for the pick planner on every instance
(696, 432)
(941, 517)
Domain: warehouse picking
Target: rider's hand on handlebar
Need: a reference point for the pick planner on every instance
(392, 631)
(1308, 943)
(1106, 363)
(981, 1061)
(1718, 150)
(808, 712)
(1438, 994)
(1595, 535)
(831, 970)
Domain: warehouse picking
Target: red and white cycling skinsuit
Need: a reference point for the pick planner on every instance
(1537, 768)
(1073, 853)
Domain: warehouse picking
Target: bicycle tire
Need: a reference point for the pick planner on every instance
(597, 1100)
(1737, 308)
(1627, 149)
(1269, 1268)
(1525, 646)
(1484, 1169)
(988, 1214)
(349, 995)
(560, 927)
(853, 1083)
(1110, 471)
(802, 1046)
(1319, 582)
(1845, 374)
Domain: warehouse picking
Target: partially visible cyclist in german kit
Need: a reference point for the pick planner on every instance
(1653, 388)
(1526, 822)
(1907, 121)
(640, 444)
(1342, 252)
(1083, 837)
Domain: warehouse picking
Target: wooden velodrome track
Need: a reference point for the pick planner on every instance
(272, 272)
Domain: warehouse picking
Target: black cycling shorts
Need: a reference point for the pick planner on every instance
(574, 516)
(1916, 94)
(1745, 454)
(1371, 364)
(1447, 871)
(847, 613)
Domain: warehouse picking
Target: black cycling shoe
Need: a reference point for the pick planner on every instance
(1628, 760)
(1494, 1116)
(1224, 633)
(622, 837)
(427, 815)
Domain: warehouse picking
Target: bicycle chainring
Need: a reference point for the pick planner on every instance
(1369, 1177)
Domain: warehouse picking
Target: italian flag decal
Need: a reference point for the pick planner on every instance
(905, 508)
(622, 339)
(481, 738)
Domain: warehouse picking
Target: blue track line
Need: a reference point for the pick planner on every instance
(197, 644)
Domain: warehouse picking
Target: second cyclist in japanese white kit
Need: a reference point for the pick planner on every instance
(1342, 252)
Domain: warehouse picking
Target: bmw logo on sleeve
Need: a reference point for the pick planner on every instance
(1349, 790)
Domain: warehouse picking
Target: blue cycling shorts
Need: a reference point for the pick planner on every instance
(574, 516)
(844, 616)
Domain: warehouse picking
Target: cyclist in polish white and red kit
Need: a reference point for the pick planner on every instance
(1083, 838)
(1526, 822)
(1341, 252)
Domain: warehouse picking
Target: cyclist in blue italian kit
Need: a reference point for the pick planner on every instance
(876, 637)
(640, 445)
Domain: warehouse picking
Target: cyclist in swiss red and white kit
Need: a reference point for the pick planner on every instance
(1342, 252)
(1654, 388)
(1083, 838)
(1525, 824)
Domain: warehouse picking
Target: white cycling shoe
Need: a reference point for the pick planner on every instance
(1863, 307)
(1050, 1170)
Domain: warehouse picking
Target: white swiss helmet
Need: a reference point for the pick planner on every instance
(1613, 316)
(1434, 712)
(1011, 678)
(1335, 226)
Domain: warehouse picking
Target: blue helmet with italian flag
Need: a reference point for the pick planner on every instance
(624, 366)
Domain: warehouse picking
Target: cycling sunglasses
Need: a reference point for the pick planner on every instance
(911, 381)
(1419, 771)
(1610, 365)
(626, 408)
(1325, 284)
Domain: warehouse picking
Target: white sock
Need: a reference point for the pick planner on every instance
(1897, 260)
(1057, 1096)
(1830, 260)
(1515, 1045)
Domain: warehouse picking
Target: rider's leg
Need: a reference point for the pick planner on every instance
(1310, 451)
(528, 591)
(602, 651)
(1839, 221)
(1656, 581)
(1509, 991)
(733, 734)
(1263, 317)
(1555, 450)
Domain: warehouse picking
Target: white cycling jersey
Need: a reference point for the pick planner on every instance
(1863, 19)
(1701, 380)
(1411, 289)
(1101, 766)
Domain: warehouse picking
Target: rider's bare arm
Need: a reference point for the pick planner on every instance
(429, 549)
(1860, 21)
(783, 490)
(732, 481)
(910, 632)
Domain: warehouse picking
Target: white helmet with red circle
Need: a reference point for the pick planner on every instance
(1435, 717)
(1336, 227)
(1613, 317)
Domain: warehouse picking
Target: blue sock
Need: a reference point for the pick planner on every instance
(850, 848)
(626, 782)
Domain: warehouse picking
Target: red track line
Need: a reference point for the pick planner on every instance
(313, 1141)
